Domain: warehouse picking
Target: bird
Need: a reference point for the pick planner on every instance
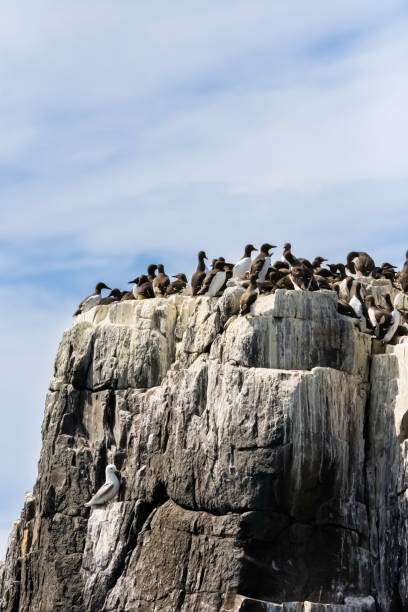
(381, 320)
(143, 288)
(214, 280)
(303, 279)
(261, 263)
(403, 275)
(160, 282)
(359, 307)
(243, 265)
(151, 272)
(200, 273)
(107, 490)
(363, 266)
(114, 296)
(91, 300)
(178, 285)
(249, 296)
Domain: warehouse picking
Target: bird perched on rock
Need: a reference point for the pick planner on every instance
(243, 265)
(301, 274)
(214, 280)
(178, 285)
(143, 288)
(381, 320)
(107, 490)
(91, 300)
(261, 263)
(160, 282)
(359, 306)
(249, 296)
(114, 296)
(363, 266)
(200, 273)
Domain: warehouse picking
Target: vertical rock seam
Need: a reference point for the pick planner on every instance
(262, 458)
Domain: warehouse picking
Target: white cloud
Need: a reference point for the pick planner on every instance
(131, 128)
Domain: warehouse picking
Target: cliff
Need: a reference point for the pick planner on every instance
(262, 463)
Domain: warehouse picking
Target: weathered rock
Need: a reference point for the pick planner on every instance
(263, 463)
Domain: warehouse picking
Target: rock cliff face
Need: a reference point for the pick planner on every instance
(263, 463)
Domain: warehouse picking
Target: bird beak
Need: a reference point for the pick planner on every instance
(117, 472)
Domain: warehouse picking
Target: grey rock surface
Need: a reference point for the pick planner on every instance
(263, 463)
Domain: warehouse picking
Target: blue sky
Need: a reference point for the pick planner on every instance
(138, 132)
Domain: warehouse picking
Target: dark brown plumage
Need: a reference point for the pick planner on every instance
(364, 264)
(178, 285)
(199, 275)
(249, 297)
(160, 282)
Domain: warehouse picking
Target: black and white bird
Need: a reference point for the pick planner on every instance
(107, 490)
(262, 262)
(243, 265)
(214, 280)
(359, 306)
(381, 320)
(91, 300)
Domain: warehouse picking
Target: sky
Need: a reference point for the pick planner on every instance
(135, 132)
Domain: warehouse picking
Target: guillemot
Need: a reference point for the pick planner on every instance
(178, 285)
(381, 320)
(160, 282)
(200, 273)
(261, 263)
(151, 272)
(249, 297)
(214, 280)
(358, 305)
(243, 265)
(91, 300)
(363, 266)
(114, 296)
(143, 288)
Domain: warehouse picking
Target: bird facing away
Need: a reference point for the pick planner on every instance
(91, 300)
(151, 272)
(160, 282)
(107, 490)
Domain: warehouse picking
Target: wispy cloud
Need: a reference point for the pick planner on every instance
(137, 131)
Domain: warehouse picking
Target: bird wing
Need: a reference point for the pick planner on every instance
(197, 281)
(101, 494)
(257, 264)
(207, 282)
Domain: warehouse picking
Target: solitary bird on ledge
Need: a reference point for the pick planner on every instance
(107, 490)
